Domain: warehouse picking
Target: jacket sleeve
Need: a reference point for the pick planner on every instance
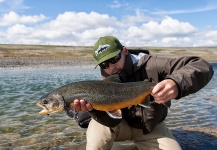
(103, 118)
(190, 73)
(82, 118)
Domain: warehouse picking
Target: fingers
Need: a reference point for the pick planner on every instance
(157, 89)
(163, 98)
(164, 91)
(89, 107)
(81, 105)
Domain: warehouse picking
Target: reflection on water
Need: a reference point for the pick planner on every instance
(21, 127)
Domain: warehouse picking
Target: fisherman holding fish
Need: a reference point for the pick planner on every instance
(132, 100)
(174, 78)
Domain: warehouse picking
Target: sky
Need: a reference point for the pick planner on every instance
(136, 23)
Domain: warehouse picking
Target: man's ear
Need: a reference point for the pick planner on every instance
(125, 51)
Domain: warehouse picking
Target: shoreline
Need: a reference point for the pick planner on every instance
(19, 64)
(41, 63)
(52, 66)
(14, 56)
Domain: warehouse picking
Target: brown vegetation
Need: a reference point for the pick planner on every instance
(12, 55)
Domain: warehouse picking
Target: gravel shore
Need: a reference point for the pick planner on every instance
(47, 56)
(17, 63)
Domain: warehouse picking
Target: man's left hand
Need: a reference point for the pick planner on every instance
(165, 91)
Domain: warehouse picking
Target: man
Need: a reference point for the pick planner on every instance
(175, 78)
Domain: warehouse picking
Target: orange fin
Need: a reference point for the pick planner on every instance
(116, 114)
(146, 103)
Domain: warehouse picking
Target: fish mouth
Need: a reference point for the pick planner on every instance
(48, 109)
(44, 111)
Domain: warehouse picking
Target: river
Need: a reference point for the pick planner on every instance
(21, 127)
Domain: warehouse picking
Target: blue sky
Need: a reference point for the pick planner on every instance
(134, 22)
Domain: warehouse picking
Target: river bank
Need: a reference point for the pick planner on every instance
(48, 56)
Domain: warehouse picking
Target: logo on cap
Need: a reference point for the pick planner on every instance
(101, 49)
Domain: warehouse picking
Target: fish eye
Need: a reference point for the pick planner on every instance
(45, 102)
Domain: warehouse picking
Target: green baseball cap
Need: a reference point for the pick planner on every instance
(105, 48)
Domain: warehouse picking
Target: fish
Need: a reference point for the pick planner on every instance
(109, 95)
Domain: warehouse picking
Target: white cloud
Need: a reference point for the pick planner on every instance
(19, 29)
(117, 4)
(139, 17)
(170, 26)
(211, 35)
(205, 38)
(153, 31)
(13, 18)
(73, 21)
(98, 32)
(80, 28)
(21, 33)
(12, 5)
(208, 7)
(175, 41)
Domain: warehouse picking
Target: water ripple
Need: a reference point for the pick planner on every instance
(21, 127)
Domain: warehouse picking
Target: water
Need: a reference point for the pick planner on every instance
(197, 109)
(21, 127)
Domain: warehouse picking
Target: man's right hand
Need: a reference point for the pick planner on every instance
(81, 105)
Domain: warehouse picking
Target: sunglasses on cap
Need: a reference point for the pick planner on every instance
(113, 60)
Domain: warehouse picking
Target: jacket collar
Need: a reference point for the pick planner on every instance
(128, 69)
(131, 66)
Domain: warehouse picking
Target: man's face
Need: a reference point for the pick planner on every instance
(118, 66)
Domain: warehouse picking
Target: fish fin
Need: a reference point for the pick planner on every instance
(117, 114)
(70, 113)
(113, 78)
(146, 103)
(144, 106)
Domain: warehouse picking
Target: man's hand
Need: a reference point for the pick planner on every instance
(81, 105)
(164, 91)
